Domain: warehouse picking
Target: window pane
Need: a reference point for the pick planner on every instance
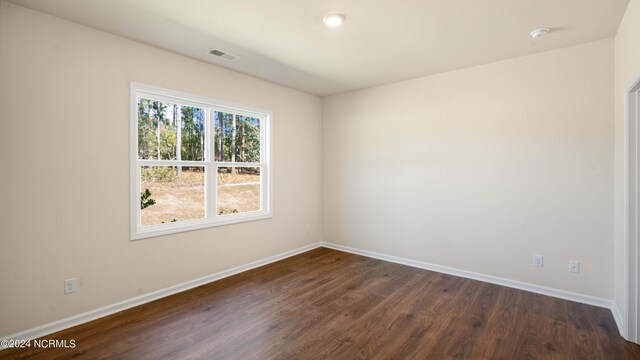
(238, 190)
(192, 120)
(168, 131)
(236, 138)
(173, 195)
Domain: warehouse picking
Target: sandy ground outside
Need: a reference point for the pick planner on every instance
(183, 198)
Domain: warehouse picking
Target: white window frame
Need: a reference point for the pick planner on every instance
(211, 218)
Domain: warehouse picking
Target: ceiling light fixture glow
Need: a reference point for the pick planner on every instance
(333, 20)
(539, 33)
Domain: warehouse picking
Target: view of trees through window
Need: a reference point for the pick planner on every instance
(177, 133)
(164, 128)
(237, 138)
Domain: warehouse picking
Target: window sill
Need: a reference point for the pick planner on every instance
(184, 226)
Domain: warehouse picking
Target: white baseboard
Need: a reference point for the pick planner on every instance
(59, 325)
(139, 300)
(562, 294)
(617, 316)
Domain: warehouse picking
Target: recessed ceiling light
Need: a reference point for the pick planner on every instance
(539, 33)
(333, 20)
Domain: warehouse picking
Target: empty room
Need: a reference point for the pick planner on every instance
(319, 179)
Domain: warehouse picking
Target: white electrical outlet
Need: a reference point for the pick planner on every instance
(574, 266)
(538, 261)
(70, 286)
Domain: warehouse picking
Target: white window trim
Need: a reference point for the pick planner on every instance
(212, 219)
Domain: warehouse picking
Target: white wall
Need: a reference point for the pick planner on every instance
(64, 209)
(481, 168)
(627, 67)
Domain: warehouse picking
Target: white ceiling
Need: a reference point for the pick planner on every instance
(382, 41)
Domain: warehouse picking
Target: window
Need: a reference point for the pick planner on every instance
(195, 162)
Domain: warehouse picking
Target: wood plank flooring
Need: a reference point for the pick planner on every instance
(326, 304)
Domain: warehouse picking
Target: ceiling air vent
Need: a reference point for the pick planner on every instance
(223, 55)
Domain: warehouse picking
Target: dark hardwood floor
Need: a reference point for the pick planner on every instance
(326, 304)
